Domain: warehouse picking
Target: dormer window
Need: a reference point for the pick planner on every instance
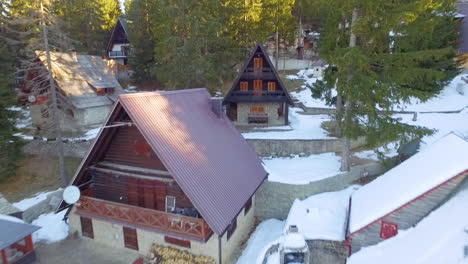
(101, 87)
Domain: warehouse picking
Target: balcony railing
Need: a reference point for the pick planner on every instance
(117, 54)
(166, 222)
(257, 93)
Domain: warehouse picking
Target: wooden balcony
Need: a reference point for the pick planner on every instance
(194, 228)
(117, 54)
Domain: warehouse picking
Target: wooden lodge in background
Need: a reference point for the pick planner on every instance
(258, 96)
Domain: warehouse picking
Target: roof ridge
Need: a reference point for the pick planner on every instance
(162, 92)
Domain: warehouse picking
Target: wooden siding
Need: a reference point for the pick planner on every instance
(406, 217)
(182, 201)
(130, 190)
(128, 148)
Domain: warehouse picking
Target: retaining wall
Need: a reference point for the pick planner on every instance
(274, 199)
(46, 206)
(287, 147)
(76, 149)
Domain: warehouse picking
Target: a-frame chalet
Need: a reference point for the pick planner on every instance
(162, 171)
(258, 96)
(118, 46)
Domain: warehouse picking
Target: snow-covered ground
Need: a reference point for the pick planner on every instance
(28, 202)
(454, 97)
(24, 117)
(267, 232)
(10, 218)
(389, 151)
(304, 127)
(305, 95)
(302, 170)
(440, 238)
(53, 228)
(444, 123)
(321, 216)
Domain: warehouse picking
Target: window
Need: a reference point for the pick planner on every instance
(231, 228)
(258, 64)
(170, 204)
(130, 238)
(247, 206)
(257, 109)
(244, 86)
(104, 91)
(258, 85)
(86, 227)
(271, 86)
(388, 230)
(176, 241)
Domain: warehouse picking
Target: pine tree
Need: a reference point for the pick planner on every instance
(10, 146)
(33, 33)
(90, 23)
(397, 55)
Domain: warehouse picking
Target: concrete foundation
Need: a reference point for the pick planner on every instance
(111, 234)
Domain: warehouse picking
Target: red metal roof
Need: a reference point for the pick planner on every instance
(206, 155)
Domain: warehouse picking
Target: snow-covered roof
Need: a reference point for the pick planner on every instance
(438, 238)
(321, 216)
(443, 160)
(6, 207)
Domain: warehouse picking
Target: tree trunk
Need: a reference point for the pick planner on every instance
(346, 152)
(55, 116)
(339, 115)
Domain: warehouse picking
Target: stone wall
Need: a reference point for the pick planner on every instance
(274, 199)
(243, 110)
(46, 206)
(327, 252)
(287, 147)
(111, 234)
(245, 223)
(72, 149)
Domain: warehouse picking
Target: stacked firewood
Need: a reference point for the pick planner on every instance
(169, 255)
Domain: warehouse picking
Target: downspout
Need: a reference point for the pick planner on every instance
(220, 257)
(347, 238)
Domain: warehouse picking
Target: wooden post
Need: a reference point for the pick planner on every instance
(4, 256)
(29, 244)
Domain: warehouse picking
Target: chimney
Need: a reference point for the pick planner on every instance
(217, 105)
(293, 229)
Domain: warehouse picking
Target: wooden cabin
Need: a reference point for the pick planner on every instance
(87, 90)
(406, 194)
(258, 97)
(119, 46)
(161, 172)
(16, 244)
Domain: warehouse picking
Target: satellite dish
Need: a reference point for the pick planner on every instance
(71, 194)
(32, 98)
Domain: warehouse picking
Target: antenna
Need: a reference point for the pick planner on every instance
(71, 194)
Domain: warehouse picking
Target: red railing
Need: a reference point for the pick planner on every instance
(173, 223)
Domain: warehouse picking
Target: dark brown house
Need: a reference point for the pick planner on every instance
(119, 45)
(162, 172)
(258, 96)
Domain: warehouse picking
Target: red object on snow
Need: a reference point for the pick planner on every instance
(388, 230)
